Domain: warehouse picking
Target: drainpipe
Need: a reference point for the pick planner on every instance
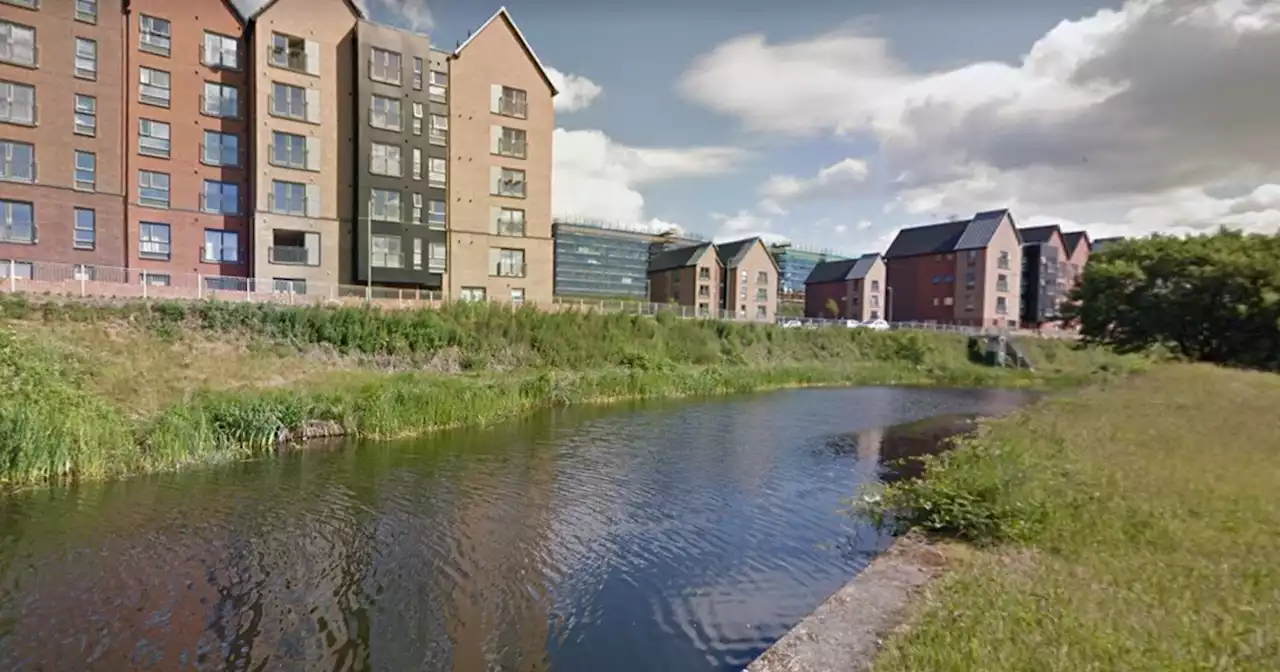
(126, 158)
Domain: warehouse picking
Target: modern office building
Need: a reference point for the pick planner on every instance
(795, 264)
(846, 289)
(750, 287)
(62, 155)
(690, 276)
(1103, 243)
(1044, 258)
(961, 272)
(499, 169)
(595, 260)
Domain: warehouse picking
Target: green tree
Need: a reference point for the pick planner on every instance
(833, 308)
(1213, 298)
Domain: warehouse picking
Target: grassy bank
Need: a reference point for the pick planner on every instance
(1133, 526)
(110, 390)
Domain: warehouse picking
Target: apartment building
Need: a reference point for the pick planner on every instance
(690, 276)
(750, 287)
(853, 287)
(1103, 243)
(499, 168)
(1044, 260)
(402, 133)
(1078, 249)
(961, 272)
(303, 139)
(62, 158)
(795, 264)
(187, 120)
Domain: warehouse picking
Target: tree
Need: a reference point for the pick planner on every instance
(1213, 298)
(833, 308)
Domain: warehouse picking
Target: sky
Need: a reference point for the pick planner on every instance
(834, 123)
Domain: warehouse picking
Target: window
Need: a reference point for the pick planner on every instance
(155, 279)
(512, 142)
(220, 149)
(294, 248)
(288, 150)
(439, 86)
(220, 100)
(762, 312)
(153, 240)
(385, 160)
(762, 277)
(417, 163)
(153, 138)
(384, 66)
(438, 134)
(510, 222)
(86, 58)
(1002, 305)
(875, 285)
(417, 118)
(154, 34)
(153, 189)
(1002, 283)
(472, 294)
(417, 253)
(384, 113)
(86, 115)
(289, 285)
(221, 247)
(153, 87)
(289, 52)
(415, 213)
(506, 263)
(87, 11)
(86, 225)
(17, 221)
(513, 103)
(17, 103)
(704, 273)
(510, 182)
(436, 172)
(17, 161)
(288, 198)
(435, 257)
(17, 44)
(1003, 261)
(385, 252)
(417, 74)
(289, 101)
(762, 294)
(86, 171)
(947, 301)
(517, 296)
(221, 51)
(384, 205)
(16, 269)
(436, 214)
(221, 198)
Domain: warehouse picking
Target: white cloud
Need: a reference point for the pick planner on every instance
(414, 15)
(834, 181)
(771, 207)
(1119, 119)
(864, 224)
(575, 91)
(596, 178)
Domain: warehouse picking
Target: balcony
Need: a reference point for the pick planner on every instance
(436, 265)
(513, 148)
(438, 136)
(513, 107)
(509, 269)
(387, 260)
(290, 255)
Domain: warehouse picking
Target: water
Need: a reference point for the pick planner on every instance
(669, 536)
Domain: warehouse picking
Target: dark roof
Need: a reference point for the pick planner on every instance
(1073, 240)
(677, 258)
(1038, 234)
(731, 253)
(982, 228)
(1104, 242)
(353, 6)
(972, 234)
(841, 270)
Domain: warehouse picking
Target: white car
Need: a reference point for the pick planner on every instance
(791, 324)
(852, 324)
(878, 325)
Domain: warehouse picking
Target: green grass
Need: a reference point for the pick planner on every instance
(1132, 526)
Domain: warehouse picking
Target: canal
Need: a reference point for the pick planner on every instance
(674, 536)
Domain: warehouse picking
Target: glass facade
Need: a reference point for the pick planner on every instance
(794, 266)
(601, 263)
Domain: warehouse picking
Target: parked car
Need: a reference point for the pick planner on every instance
(852, 324)
(878, 325)
(791, 324)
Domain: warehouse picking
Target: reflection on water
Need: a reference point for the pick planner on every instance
(664, 536)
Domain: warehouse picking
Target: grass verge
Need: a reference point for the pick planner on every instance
(1133, 526)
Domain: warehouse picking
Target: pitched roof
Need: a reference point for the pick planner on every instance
(506, 16)
(1103, 242)
(982, 228)
(1073, 239)
(733, 252)
(677, 258)
(946, 237)
(1038, 234)
(351, 4)
(841, 270)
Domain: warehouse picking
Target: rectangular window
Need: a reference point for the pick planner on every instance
(288, 52)
(289, 198)
(1002, 305)
(506, 263)
(417, 118)
(86, 171)
(438, 134)
(220, 100)
(435, 257)
(153, 87)
(220, 149)
(762, 312)
(385, 160)
(384, 205)
(704, 273)
(384, 113)
(384, 66)
(1002, 283)
(86, 58)
(289, 101)
(221, 51)
(513, 103)
(153, 240)
(438, 88)
(17, 221)
(417, 74)
(17, 44)
(385, 252)
(415, 216)
(86, 115)
(512, 142)
(294, 247)
(417, 163)
(153, 189)
(154, 34)
(472, 294)
(436, 169)
(23, 270)
(417, 253)
(220, 198)
(762, 294)
(221, 247)
(87, 11)
(510, 222)
(875, 285)
(762, 277)
(288, 150)
(510, 183)
(156, 279)
(17, 161)
(17, 103)
(436, 214)
(153, 138)
(1003, 261)
(86, 234)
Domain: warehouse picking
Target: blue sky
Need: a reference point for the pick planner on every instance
(1121, 118)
